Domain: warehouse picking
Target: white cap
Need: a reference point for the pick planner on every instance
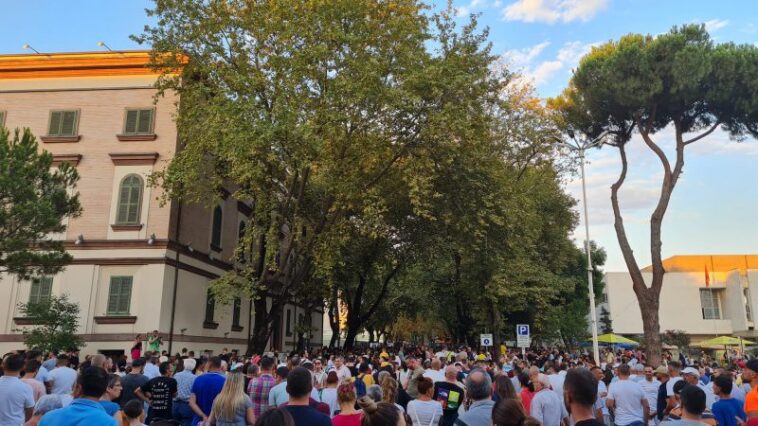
(691, 370)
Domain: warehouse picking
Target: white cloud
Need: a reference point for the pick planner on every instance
(714, 25)
(524, 61)
(551, 11)
(545, 71)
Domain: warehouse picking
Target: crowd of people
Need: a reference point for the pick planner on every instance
(376, 387)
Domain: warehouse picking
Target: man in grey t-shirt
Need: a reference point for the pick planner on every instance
(479, 388)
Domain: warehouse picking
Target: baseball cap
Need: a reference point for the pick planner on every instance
(662, 370)
(691, 370)
(752, 364)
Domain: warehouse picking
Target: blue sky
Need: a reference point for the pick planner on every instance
(713, 209)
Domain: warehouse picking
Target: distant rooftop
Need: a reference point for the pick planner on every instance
(76, 64)
(711, 262)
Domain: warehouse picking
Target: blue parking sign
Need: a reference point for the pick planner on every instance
(522, 330)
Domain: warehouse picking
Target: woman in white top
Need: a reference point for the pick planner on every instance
(425, 411)
(328, 395)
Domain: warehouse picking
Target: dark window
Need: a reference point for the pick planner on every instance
(129, 201)
(241, 231)
(210, 306)
(218, 217)
(236, 312)
(42, 288)
(2, 118)
(119, 295)
(63, 123)
(289, 322)
(139, 121)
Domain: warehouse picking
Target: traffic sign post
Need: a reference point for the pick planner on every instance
(523, 339)
(486, 340)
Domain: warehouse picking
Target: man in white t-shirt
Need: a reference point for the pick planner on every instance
(16, 397)
(62, 378)
(650, 386)
(435, 373)
(601, 410)
(343, 372)
(556, 379)
(674, 376)
(627, 400)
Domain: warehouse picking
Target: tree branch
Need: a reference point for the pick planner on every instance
(626, 248)
(382, 293)
(704, 134)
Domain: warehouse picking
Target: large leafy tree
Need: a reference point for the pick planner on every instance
(680, 80)
(306, 109)
(35, 201)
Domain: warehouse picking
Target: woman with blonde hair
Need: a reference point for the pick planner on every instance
(389, 392)
(232, 407)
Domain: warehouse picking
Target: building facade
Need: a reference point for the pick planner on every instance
(703, 295)
(139, 264)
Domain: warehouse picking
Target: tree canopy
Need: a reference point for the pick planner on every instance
(383, 149)
(36, 200)
(640, 84)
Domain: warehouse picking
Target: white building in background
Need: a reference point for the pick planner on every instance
(138, 265)
(703, 295)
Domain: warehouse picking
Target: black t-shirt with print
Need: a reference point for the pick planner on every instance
(162, 391)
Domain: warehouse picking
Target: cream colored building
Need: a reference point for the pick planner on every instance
(138, 265)
(725, 305)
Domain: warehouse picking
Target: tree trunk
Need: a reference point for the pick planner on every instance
(334, 320)
(495, 321)
(353, 328)
(261, 328)
(371, 336)
(652, 330)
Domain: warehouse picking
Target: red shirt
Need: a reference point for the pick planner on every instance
(526, 399)
(347, 419)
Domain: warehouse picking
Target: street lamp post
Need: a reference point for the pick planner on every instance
(580, 148)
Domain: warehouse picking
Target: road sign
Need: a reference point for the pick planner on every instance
(522, 330)
(522, 336)
(486, 339)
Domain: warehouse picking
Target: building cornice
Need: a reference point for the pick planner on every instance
(77, 64)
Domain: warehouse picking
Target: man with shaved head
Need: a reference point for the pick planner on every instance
(449, 392)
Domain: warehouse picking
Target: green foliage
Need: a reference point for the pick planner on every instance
(678, 338)
(36, 199)
(605, 323)
(387, 158)
(680, 80)
(55, 323)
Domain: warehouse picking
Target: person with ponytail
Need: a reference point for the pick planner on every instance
(346, 396)
(232, 406)
(380, 414)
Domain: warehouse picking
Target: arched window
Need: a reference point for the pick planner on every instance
(218, 217)
(129, 201)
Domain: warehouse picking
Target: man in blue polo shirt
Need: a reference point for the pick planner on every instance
(205, 389)
(85, 410)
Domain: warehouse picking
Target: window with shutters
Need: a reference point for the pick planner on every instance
(236, 313)
(63, 123)
(139, 121)
(289, 323)
(41, 289)
(129, 201)
(119, 295)
(218, 219)
(2, 118)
